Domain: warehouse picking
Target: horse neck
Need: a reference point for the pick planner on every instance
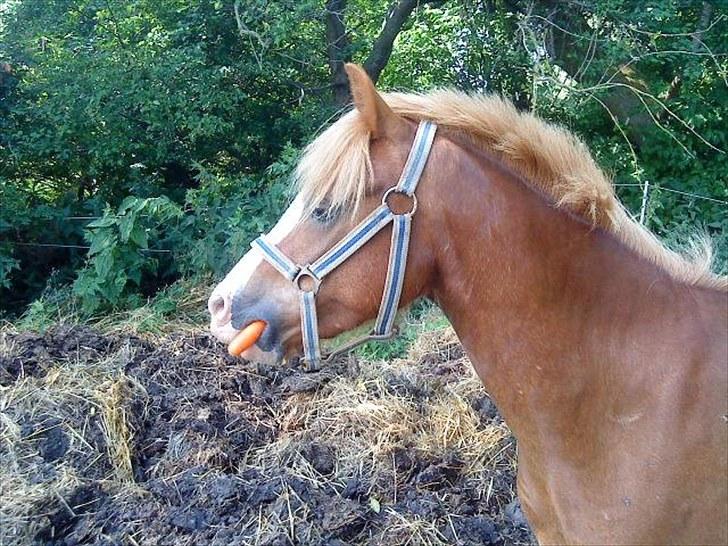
(543, 303)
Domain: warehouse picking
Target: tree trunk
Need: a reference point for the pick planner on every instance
(338, 43)
(337, 49)
(382, 49)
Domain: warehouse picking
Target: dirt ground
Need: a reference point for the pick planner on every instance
(108, 439)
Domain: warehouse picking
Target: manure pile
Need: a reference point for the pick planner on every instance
(109, 439)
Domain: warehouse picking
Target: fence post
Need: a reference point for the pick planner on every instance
(645, 199)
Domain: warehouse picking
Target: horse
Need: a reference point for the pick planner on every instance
(605, 351)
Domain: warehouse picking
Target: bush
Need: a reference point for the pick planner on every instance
(39, 233)
(120, 254)
(146, 243)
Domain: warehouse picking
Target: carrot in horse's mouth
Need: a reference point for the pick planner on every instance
(246, 338)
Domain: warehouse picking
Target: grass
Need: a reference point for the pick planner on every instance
(180, 307)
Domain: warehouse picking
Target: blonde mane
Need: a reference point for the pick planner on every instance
(336, 167)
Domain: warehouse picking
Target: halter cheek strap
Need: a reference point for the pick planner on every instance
(307, 279)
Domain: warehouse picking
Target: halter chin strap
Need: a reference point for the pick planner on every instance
(307, 279)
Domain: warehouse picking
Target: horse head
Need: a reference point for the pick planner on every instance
(335, 197)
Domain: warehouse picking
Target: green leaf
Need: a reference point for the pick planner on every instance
(104, 221)
(126, 224)
(135, 276)
(103, 263)
(101, 240)
(139, 237)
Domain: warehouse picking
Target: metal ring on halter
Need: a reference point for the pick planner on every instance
(396, 189)
(303, 273)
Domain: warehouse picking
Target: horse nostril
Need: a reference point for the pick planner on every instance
(219, 307)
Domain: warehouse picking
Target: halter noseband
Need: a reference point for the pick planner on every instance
(307, 279)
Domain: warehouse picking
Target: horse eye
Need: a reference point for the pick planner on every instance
(325, 214)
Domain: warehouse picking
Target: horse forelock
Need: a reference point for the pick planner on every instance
(336, 168)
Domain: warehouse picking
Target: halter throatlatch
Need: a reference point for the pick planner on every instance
(307, 279)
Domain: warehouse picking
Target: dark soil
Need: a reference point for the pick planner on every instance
(34, 353)
(196, 419)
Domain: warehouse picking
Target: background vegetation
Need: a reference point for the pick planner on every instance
(146, 142)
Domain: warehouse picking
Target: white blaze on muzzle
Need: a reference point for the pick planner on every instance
(243, 272)
(307, 279)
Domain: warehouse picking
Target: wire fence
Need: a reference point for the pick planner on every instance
(647, 190)
(679, 192)
(82, 247)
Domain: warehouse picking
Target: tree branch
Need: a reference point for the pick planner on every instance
(382, 49)
(245, 32)
(338, 42)
(625, 101)
(705, 15)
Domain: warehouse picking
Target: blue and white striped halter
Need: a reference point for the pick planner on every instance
(307, 279)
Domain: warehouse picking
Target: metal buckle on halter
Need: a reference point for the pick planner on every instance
(396, 189)
(304, 273)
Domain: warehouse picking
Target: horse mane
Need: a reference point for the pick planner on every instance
(336, 168)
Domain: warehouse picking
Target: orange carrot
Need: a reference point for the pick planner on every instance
(246, 337)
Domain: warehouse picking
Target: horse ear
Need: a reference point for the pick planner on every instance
(378, 117)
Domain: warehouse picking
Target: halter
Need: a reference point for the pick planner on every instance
(307, 279)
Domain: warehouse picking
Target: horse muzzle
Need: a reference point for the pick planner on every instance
(228, 316)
